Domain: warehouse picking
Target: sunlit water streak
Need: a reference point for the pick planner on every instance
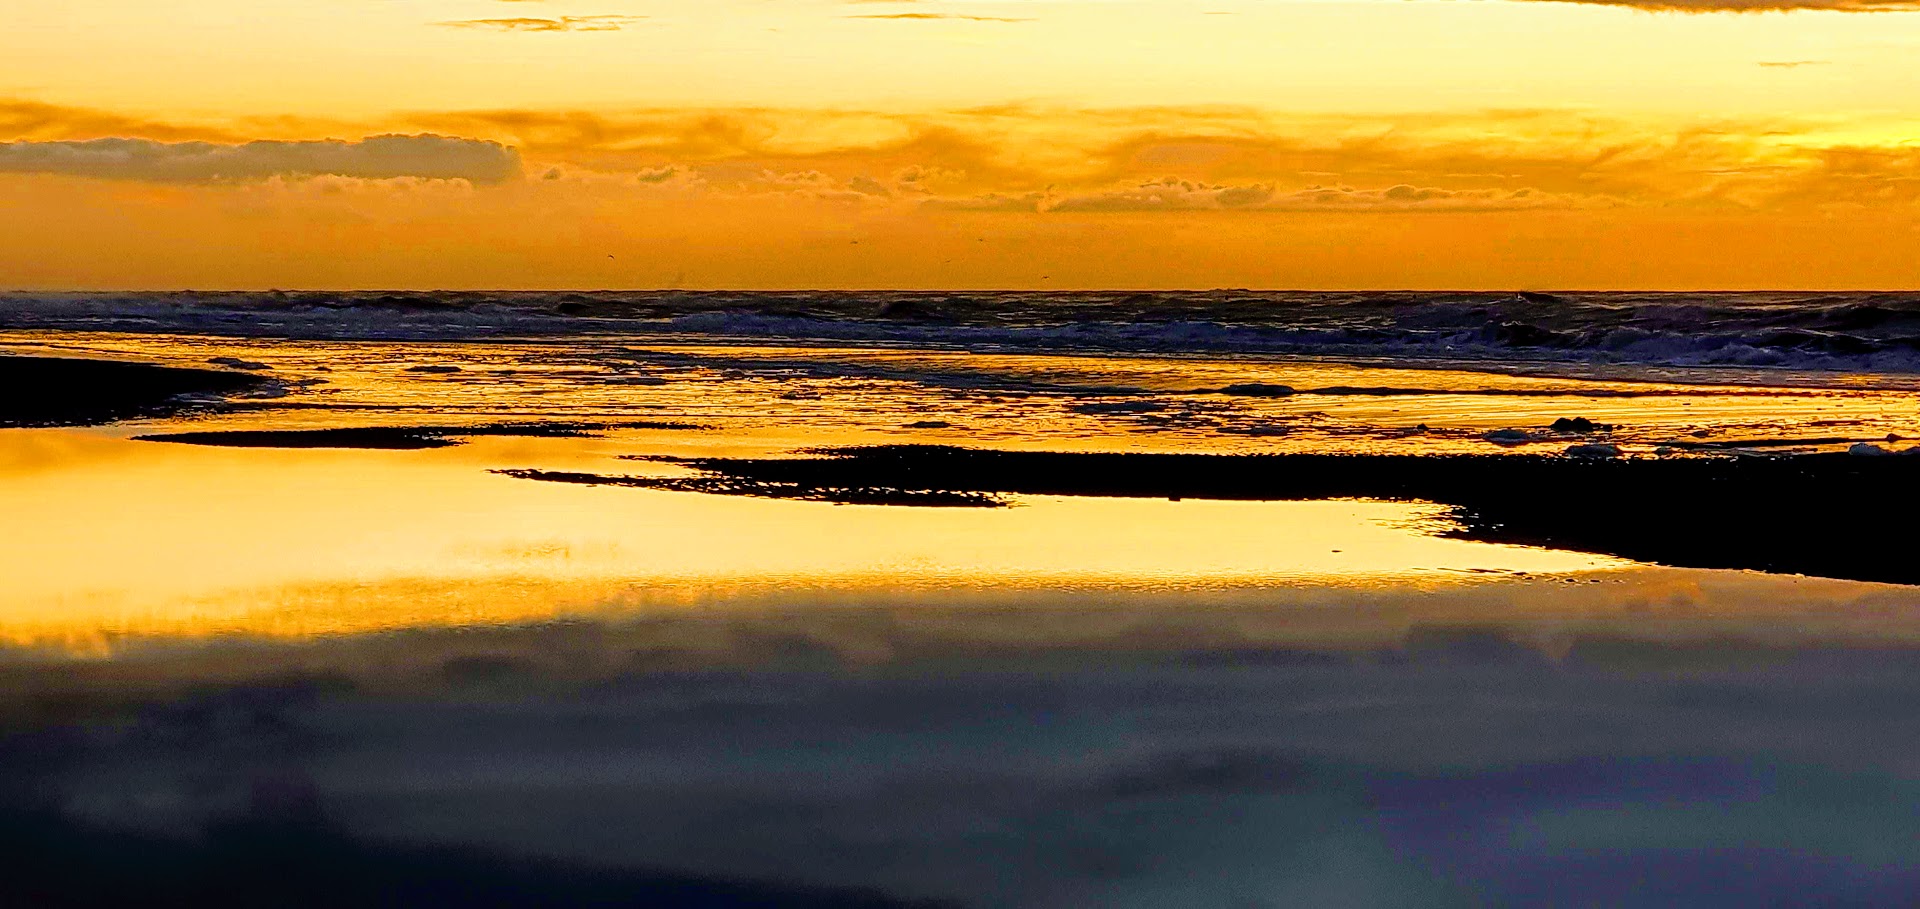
(141, 538)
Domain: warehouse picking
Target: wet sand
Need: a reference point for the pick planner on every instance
(319, 655)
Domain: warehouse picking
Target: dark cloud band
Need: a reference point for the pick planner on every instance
(377, 158)
(1755, 6)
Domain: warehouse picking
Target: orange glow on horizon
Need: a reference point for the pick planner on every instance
(1008, 144)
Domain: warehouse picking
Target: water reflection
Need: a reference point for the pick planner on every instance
(378, 672)
(131, 538)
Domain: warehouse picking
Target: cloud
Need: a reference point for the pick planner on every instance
(1851, 176)
(659, 174)
(1033, 158)
(35, 120)
(1174, 195)
(939, 147)
(1167, 194)
(1404, 197)
(868, 186)
(911, 16)
(380, 157)
(560, 24)
(1037, 159)
(1756, 6)
(988, 202)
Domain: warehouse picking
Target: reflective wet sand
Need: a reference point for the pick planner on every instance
(133, 538)
(125, 544)
(402, 666)
(122, 540)
(772, 399)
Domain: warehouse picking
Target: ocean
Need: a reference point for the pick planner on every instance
(1870, 332)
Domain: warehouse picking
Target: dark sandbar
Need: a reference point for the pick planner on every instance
(1829, 515)
(56, 391)
(761, 489)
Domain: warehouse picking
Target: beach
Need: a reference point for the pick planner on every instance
(723, 620)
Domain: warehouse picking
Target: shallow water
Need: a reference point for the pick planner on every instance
(133, 538)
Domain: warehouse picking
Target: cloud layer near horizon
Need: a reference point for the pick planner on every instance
(557, 24)
(429, 157)
(1752, 6)
(1202, 159)
(1017, 159)
(941, 12)
(1004, 196)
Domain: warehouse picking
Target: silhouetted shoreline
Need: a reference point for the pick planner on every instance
(57, 391)
(398, 438)
(1806, 514)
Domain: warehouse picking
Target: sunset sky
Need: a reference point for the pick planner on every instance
(948, 143)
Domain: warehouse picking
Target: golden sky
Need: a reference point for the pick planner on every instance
(960, 143)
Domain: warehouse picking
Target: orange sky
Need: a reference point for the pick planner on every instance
(960, 143)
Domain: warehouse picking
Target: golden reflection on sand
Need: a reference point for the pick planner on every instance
(115, 537)
(774, 398)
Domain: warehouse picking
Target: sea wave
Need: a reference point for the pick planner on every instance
(1857, 332)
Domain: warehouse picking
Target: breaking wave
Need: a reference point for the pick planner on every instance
(1861, 332)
